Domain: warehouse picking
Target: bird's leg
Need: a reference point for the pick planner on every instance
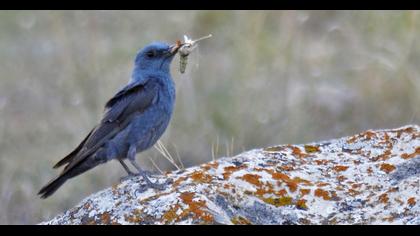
(131, 157)
(129, 172)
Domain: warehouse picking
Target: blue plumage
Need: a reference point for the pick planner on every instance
(133, 121)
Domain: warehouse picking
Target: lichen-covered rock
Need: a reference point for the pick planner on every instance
(369, 178)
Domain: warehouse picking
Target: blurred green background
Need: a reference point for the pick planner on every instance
(265, 78)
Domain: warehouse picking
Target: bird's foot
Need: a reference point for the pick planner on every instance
(157, 185)
(132, 174)
(154, 185)
(149, 184)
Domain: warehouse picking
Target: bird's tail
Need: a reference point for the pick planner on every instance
(70, 172)
(52, 186)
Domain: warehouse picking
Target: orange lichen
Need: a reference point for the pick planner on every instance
(304, 192)
(311, 148)
(406, 130)
(292, 186)
(334, 196)
(369, 135)
(187, 197)
(178, 181)
(301, 204)
(208, 166)
(132, 218)
(286, 168)
(411, 201)
(280, 176)
(297, 152)
(291, 183)
(411, 155)
(105, 218)
(252, 179)
(230, 169)
(389, 218)
(260, 192)
(383, 198)
(303, 181)
(195, 207)
(281, 192)
(339, 188)
(207, 218)
(341, 178)
(353, 192)
(265, 189)
(227, 186)
(262, 169)
(384, 156)
(352, 139)
(357, 162)
(274, 149)
(171, 216)
(322, 184)
(239, 220)
(339, 168)
(226, 175)
(91, 221)
(388, 168)
(201, 177)
(322, 162)
(283, 201)
(386, 140)
(322, 193)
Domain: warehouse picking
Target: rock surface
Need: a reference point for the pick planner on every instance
(369, 178)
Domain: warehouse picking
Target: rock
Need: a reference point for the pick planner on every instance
(368, 178)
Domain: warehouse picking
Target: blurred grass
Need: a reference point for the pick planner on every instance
(265, 78)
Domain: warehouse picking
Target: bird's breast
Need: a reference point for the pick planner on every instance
(166, 97)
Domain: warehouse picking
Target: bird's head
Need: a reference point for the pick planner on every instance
(156, 56)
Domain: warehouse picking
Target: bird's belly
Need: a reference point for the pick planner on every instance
(143, 131)
(148, 128)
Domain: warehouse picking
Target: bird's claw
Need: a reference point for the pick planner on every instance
(157, 185)
(132, 174)
(149, 183)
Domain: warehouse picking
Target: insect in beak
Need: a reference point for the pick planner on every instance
(186, 48)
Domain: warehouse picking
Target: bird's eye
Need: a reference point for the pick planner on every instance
(151, 54)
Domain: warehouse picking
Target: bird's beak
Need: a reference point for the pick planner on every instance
(173, 49)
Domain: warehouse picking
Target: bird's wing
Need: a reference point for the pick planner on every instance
(132, 99)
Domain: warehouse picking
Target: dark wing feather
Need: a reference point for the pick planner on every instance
(131, 100)
(68, 158)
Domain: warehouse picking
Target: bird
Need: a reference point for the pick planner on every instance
(133, 120)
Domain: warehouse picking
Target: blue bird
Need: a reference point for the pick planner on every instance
(133, 121)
